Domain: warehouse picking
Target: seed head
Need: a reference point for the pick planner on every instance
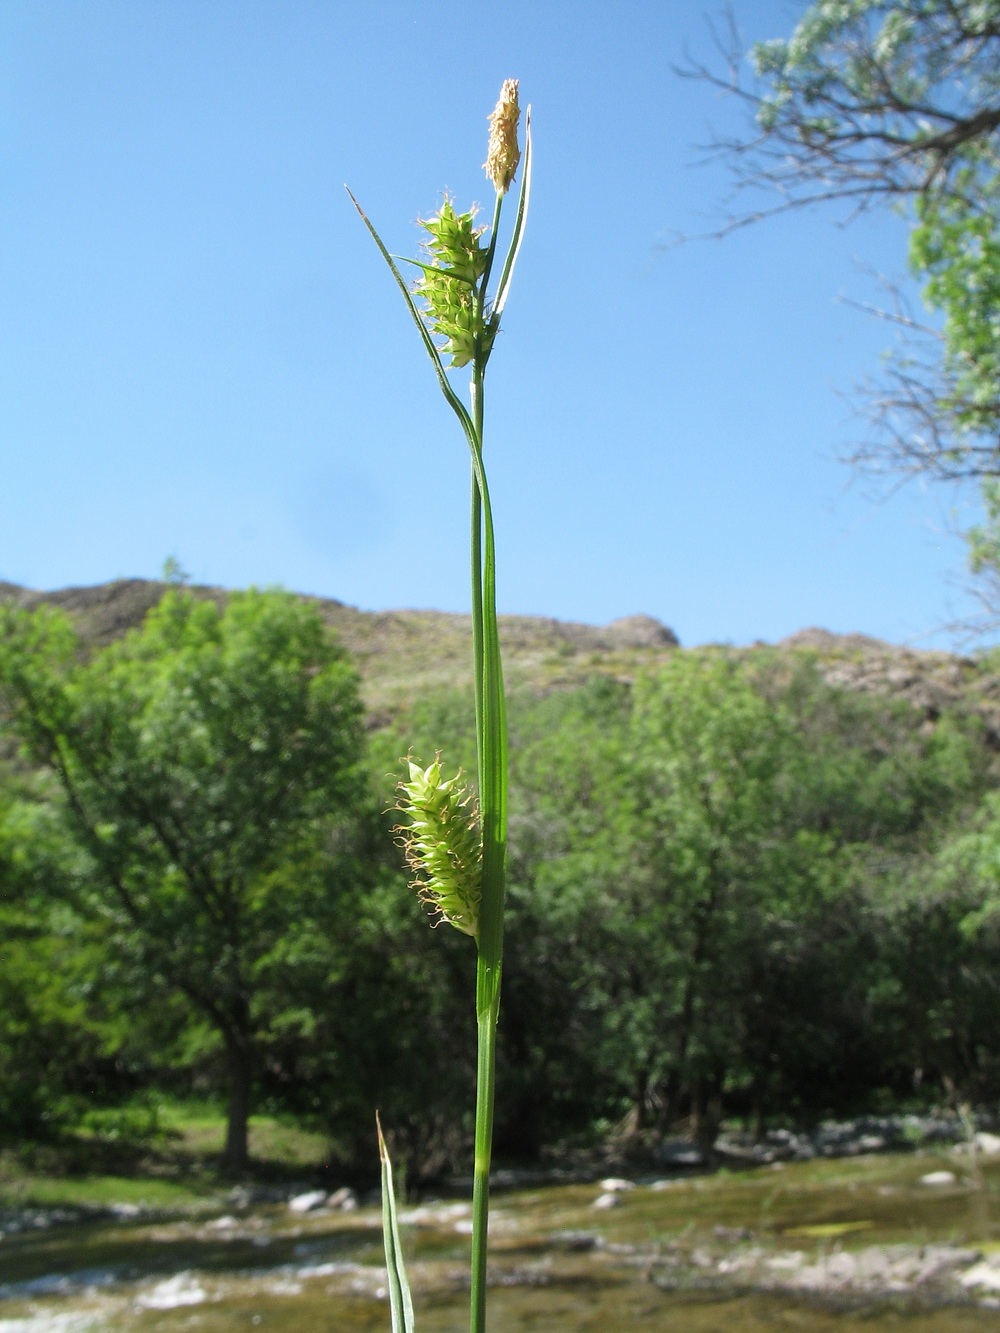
(503, 154)
(458, 261)
(442, 844)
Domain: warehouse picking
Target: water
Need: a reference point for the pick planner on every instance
(831, 1246)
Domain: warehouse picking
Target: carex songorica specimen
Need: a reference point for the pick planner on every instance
(455, 841)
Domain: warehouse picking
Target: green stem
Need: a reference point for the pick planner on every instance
(477, 609)
(487, 1005)
(476, 543)
(491, 733)
(476, 443)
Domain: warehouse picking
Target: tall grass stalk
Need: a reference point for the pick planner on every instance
(455, 843)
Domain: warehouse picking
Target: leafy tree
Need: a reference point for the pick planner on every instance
(805, 793)
(209, 767)
(728, 861)
(571, 808)
(567, 756)
(699, 874)
(956, 247)
(53, 1047)
(938, 1001)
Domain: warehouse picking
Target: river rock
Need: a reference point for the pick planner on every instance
(938, 1178)
(732, 1235)
(985, 1275)
(678, 1152)
(246, 1196)
(306, 1203)
(616, 1185)
(344, 1198)
(940, 1259)
(577, 1242)
(607, 1201)
(848, 1138)
(788, 1262)
(987, 1144)
(881, 1268)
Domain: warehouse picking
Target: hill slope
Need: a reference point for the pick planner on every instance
(399, 653)
(402, 653)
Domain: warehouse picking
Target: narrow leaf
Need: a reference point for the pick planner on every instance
(436, 269)
(522, 213)
(456, 404)
(400, 1301)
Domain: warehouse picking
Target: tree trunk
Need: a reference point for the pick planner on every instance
(686, 1020)
(239, 1067)
(636, 1119)
(757, 1114)
(706, 1115)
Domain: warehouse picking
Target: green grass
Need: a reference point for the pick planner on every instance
(26, 1189)
(200, 1131)
(175, 1169)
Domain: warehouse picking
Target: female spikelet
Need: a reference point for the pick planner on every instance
(442, 844)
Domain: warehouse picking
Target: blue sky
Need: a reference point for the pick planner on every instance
(201, 355)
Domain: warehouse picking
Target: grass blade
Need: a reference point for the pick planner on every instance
(400, 1300)
(454, 402)
(522, 213)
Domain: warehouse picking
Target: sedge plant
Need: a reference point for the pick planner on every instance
(455, 840)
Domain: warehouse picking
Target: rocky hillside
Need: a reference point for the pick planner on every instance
(932, 681)
(401, 653)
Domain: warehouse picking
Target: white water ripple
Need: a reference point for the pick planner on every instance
(51, 1323)
(181, 1289)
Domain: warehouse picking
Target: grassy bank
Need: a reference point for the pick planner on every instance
(172, 1163)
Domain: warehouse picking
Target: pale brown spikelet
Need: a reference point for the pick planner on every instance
(503, 154)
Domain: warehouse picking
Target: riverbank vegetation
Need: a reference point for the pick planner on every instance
(738, 891)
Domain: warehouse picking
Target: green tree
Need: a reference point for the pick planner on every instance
(209, 767)
(702, 873)
(956, 247)
(768, 794)
(571, 809)
(567, 755)
(691, 863)
(53, 1046)
(729, 859)
(938, 1003)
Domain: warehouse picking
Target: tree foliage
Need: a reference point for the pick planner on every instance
(208, 766)
(55, 1050)
(705, 878)
(735, 891)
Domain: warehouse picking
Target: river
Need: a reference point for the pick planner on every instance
(839, 1246)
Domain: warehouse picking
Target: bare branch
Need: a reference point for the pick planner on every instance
(897, 101)
(848, 123)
